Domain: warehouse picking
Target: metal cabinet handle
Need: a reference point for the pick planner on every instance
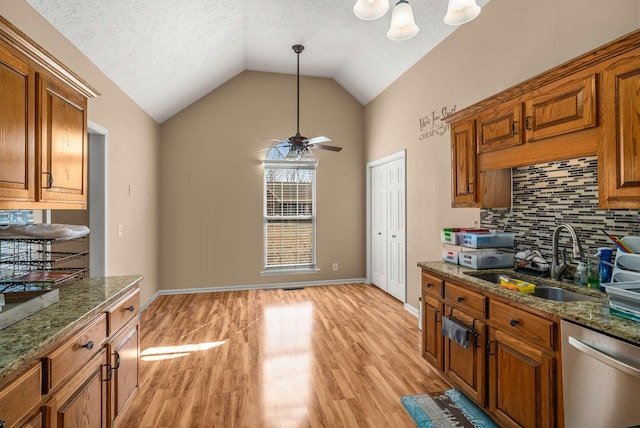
(429, 285)
(604, 358)
(460, 299)
(117, 354)
(514, 127)
(109, 372)
(527, 123)
(88, 345)
(49, 182)
(130, 308)
(489, 348)
(513, 323)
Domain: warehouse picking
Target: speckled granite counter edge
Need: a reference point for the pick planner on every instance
(25, 342)
(591, 314)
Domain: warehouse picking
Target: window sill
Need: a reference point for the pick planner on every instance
(292, 271)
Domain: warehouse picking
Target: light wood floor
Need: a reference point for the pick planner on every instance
(328, 356)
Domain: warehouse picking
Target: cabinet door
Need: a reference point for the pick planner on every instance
(63, 145)
(521, 383)
(567, 108)
(500, 127)
(82, 402)
(124, 354)
(465, 367)
(432, 339)
(463, 164)
(619, 165)
(17, 129)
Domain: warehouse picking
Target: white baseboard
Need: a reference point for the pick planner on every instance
(249, 287)
(413, 311)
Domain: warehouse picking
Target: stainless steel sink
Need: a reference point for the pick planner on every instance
(543, 291)
(560, 294)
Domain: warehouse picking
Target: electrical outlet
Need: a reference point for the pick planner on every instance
(120, 231)
(335, 267)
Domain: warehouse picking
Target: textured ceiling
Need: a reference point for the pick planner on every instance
(166, 54)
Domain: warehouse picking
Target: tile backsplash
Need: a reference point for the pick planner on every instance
(547, 194)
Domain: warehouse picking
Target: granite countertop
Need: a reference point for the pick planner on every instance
(592, 314)
(26, 340)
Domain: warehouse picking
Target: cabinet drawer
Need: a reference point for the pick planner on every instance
(522, 324)
(431, 285)
(123, 311)
(462, 298)
(21, 396)
(74, 353)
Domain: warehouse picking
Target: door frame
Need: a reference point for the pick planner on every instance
(98, 199)
(392, 157)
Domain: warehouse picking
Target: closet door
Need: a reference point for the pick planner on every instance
(396, 282)
(379, 227)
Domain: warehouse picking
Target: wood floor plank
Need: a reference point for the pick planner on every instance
(325, 356)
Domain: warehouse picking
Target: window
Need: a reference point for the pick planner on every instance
(289, 214)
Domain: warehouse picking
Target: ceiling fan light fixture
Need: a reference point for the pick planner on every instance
(369, 10)
(403, 26)
(461, 11)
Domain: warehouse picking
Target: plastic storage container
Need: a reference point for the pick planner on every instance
(485, 259)
(487, 240)
(450, 256)
(449, 237)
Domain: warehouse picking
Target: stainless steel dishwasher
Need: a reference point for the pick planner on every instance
(601, 379)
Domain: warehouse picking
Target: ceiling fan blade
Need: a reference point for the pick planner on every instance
(320, 139)
(325, 147)
(276, 140)
(263, 150)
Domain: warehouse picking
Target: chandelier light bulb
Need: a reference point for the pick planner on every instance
(403, 26)
(370, 9)
(461, 11)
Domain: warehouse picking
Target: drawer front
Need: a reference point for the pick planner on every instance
(21, 396)
(523, 324)
(74, 353)
(123, 311)
(431, 285)
(462, 298)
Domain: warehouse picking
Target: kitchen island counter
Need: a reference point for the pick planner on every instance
(591, 314)
(28, 340)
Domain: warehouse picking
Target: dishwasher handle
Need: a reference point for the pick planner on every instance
(604, 358)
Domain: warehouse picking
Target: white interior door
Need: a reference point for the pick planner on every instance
(396, 283)
(379, 226)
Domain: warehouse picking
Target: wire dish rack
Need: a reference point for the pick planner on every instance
(31, 264)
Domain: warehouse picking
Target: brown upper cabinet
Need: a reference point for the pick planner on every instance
(43, 127)
(619, 163)
(500, 127)
(463, 163)
(584, 107)
(562, 109)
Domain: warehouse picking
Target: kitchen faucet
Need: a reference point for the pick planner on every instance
(558, 268)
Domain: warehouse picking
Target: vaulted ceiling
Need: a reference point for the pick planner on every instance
(166, 54)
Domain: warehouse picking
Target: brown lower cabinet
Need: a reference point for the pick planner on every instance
(85, 380)
(509, 366)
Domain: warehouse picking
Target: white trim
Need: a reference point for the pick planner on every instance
(99, 202)
(392, 157)
(284, 271)
(249, 287)
(413, 311)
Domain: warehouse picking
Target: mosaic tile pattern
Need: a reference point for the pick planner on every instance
(547, 194)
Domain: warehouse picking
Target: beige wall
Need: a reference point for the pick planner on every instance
(133, 153)
(511, 41)
(212, 181)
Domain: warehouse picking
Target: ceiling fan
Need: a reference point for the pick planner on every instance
(298, 144)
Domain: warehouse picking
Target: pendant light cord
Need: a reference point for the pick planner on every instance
(298, 89)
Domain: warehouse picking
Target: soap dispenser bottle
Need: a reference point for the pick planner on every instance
(581, 274)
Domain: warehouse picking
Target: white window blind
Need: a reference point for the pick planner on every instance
(289, 214)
